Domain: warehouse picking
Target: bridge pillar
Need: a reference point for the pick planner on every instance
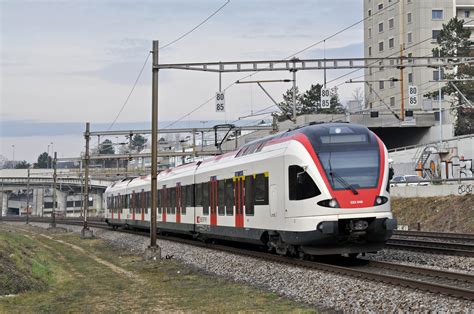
(38, 200)
(62, 202)
(4, 200)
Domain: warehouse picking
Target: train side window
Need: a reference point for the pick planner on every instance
(138, 204)
(173, 200)
(249, 207)
(198, 194)
(159, 201)
(183, 199)
(301, 185)
(189, 195)
(167, 200)
(147, 202)
(261, 189)
(205, 198)
(229, 197)
(221, 197)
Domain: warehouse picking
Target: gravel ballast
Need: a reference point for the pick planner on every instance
(321, 289)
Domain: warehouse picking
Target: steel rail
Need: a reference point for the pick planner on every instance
(436, 235)
(454, 291)
(432, 247)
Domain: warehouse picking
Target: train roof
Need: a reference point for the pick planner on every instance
(311, 130)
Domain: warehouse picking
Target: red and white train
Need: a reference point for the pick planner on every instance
(320, 189)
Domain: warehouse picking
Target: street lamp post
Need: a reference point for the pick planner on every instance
(13, 156)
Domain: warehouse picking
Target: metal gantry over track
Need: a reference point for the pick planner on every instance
(316, 64)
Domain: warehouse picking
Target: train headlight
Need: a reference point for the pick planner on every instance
(329, 203)
(380, 200)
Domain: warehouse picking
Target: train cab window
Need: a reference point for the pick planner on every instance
(301, 185)
(205, 198)
(261, 189)
(183, 199)
(229, 197)
(249, 207)
(221, 197)
(198, 194)
(173, 201)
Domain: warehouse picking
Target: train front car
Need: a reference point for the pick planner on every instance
(338, 192)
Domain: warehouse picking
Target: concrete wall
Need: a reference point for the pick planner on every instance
(433, 190)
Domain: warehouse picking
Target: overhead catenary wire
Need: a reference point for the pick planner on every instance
(163, 47)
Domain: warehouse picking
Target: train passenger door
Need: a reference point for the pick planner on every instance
(178, 202)
(213, 200)
(239, 199)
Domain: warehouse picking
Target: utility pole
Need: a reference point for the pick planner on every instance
(440, 110)
(402, 40)
(153, 252)
(1, 209)
(53, 213)
(86, 233)
(294, 91)
(28, 197)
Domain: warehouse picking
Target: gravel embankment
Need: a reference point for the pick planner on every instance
(320, 289)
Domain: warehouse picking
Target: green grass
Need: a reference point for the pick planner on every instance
(72, 281)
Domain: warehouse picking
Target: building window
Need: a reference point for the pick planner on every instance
(381, 85)
(369, 12)
(437, 14)
(370, 32)
(409, 18)
(392, 101)
(436, 76)
(410, 55)
(391, 24)
(410, 77)
(381, 46)
(370, 51)
(391, 43)
(467, 13)
(392, 82)
(380, 6)
(410, 38)
(435, 34)
(380, 27)
(370, 89)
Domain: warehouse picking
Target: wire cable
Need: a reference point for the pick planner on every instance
(131, 91)
(197, 26)
(163, 47)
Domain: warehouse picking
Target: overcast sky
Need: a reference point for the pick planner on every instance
(76, 61)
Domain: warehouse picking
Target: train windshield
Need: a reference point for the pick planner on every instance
(351, 169)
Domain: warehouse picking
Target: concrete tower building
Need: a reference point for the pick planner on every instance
(411, 25)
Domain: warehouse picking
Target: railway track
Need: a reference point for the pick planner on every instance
(454, 284)
(433, 242)
(436, 235)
